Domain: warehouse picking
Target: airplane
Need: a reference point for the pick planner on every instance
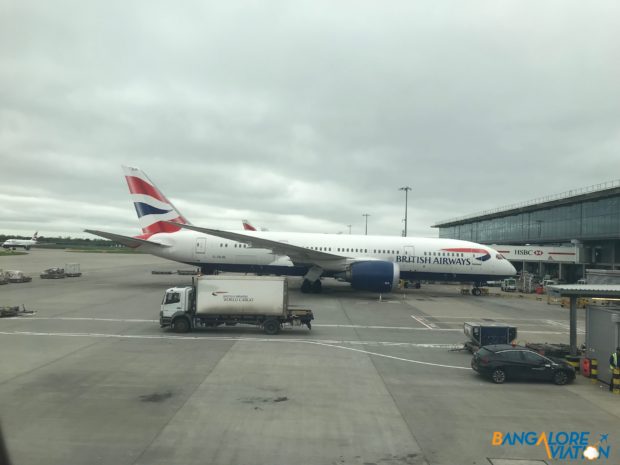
(25, 243)
(368, 263)
(247, 226)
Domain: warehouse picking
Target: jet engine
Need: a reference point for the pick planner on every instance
(373, 275)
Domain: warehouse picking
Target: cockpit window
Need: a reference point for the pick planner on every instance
(499, 256)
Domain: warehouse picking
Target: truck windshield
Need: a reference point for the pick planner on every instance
(172, 298)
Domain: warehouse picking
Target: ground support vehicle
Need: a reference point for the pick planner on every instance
(13, 311)
(503, 362)
(72, 270)
(16, 276)
(509, 285)
(230, 300)
(484, 333)
(53, 273)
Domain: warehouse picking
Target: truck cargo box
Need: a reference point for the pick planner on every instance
(72, 270)
(241, 295)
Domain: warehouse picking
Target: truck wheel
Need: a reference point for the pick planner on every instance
(271, 326)
(180, 325)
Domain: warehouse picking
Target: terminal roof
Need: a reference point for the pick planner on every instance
(586, 290)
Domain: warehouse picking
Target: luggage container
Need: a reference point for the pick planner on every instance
(485, 333)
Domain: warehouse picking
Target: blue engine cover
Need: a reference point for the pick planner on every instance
(374, 276)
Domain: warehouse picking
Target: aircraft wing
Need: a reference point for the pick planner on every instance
(132, 242)
(296, 253)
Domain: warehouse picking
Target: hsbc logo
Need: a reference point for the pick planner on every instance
(528, 252)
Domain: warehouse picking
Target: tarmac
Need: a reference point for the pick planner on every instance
(91, 378)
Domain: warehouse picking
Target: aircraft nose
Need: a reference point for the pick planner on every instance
(510, 269)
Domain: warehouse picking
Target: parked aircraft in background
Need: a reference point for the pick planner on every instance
(24, 243)
(370, 263)
(247, 226)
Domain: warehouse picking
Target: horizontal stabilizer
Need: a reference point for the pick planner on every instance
(132, 242)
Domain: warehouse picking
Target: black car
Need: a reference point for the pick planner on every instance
(504, 361)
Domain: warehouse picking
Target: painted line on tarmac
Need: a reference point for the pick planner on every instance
(559, 324)
(136, 320)
(419, 362)
(407, 328)
(332, 344)
(422, 321)
(234, 339)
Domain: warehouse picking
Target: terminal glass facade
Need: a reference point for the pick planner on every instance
(587, 220)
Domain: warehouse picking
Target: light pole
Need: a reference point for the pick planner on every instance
(349, 228)
(406, 189)
(366, 230)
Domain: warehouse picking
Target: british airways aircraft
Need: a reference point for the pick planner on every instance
(370, 263)
(25, 243)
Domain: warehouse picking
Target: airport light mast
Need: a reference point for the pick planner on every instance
(366, 230)
(406, 189)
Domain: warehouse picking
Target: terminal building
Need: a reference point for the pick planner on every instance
(559, 236)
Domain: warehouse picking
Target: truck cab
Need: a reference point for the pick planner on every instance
(177, 300)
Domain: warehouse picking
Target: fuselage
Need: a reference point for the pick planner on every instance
(417, 258)
(16, 243)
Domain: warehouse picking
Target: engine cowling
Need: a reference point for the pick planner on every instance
(373, 275)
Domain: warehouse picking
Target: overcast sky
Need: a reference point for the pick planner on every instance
(302, 116)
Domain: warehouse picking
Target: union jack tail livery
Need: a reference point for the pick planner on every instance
(247, 226)
(152, 207)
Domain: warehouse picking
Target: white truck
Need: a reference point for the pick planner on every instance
(229, 300)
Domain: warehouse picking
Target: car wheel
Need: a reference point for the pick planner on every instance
(560, 378)
(498, 376)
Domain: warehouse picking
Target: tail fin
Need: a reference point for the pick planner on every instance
(247, 226)
(35, 237)
(152, 207)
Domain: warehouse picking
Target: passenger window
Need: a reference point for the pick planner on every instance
(512, 355)
(533, 358)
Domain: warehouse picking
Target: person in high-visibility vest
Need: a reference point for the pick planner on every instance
(614, 359)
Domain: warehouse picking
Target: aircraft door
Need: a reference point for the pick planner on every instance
(201, 246)
(408, 263)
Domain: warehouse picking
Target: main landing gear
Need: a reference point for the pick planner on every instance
(476, 289)
(311, 286)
